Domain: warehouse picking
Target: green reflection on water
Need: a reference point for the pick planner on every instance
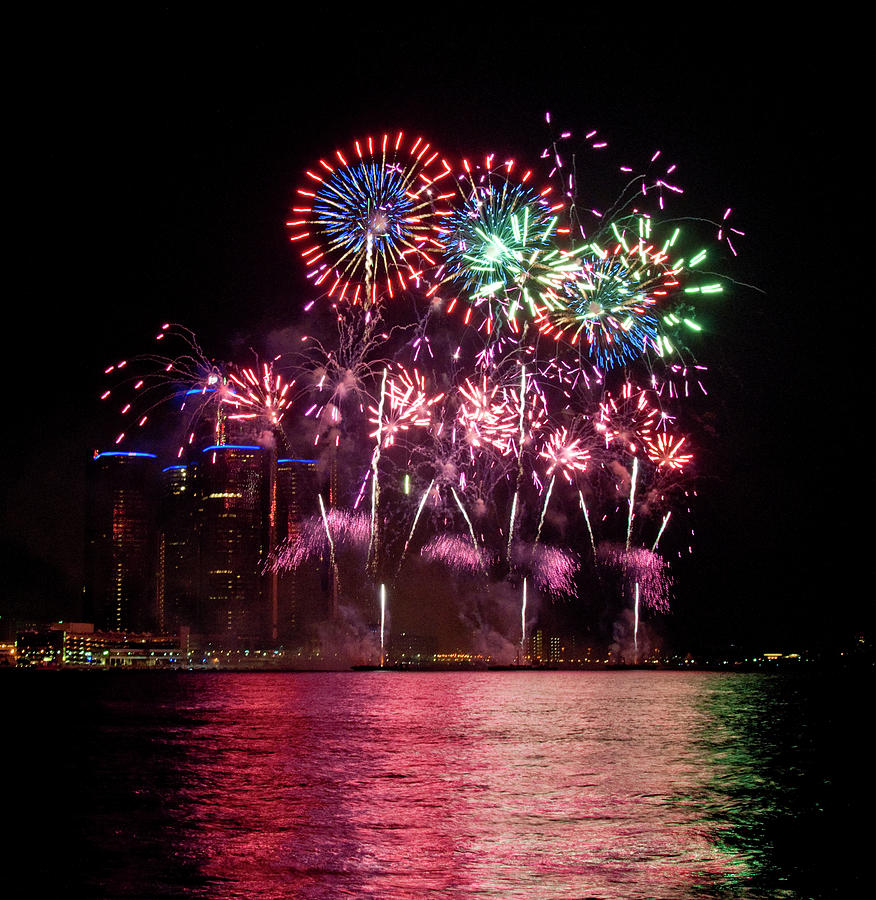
(783, 755)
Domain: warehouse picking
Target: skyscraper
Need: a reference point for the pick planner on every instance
(296, 498)
(121, 533)
(234, 535)
(179, 550)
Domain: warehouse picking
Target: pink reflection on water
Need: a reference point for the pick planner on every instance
(410, 785)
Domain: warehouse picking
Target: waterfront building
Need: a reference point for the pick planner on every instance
(120, 590)
(234, 533)
(39, 647)
(189, 546)
(179, 545)
(295, 499)
(122, 650)
(78, 645)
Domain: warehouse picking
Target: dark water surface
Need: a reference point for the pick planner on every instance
(417, 785)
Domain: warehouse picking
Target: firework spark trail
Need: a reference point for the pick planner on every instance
(447, 457)
(340, 377)
(157, 381)
(334, 562)
(587, 520)
(660, 532)
(632, 498)
(636, 624)
(551, 570)
(382, 625)
(554, 570)
(331, 529)
(519, 457)
(547, 498)
(365, 479)
(678, 381)
(375, 460)
(420, 506)
(474, 540)
(511, 525)
(489, 414)
(522, 403)
(403, 403)
(369, 263)
(523, 622)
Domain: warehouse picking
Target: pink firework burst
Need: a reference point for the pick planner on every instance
(404, 404)
(455, 551)
(565, 453)
(642, 567)
(483, 414)
(264, 396)
(627, 420)
(667, 452)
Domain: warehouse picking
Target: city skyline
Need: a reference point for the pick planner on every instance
(186, 546)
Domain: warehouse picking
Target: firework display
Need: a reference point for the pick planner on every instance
(486, 441)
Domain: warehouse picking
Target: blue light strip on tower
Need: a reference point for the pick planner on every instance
(292, 460)
(124, 453)
(232, 447)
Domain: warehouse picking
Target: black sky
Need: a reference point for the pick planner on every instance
(155, 158)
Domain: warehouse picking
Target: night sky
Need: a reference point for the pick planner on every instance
(155, 161)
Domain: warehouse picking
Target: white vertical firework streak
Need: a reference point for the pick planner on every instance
(523, 621)
(636, 625)
(420, 506)
(511, 526)
(382, 625)
(660, 533)
(519, 459)
(474, 540)
(587, 520)
(544, 508)
(331, 544)
(632, 499)
(375, 488)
